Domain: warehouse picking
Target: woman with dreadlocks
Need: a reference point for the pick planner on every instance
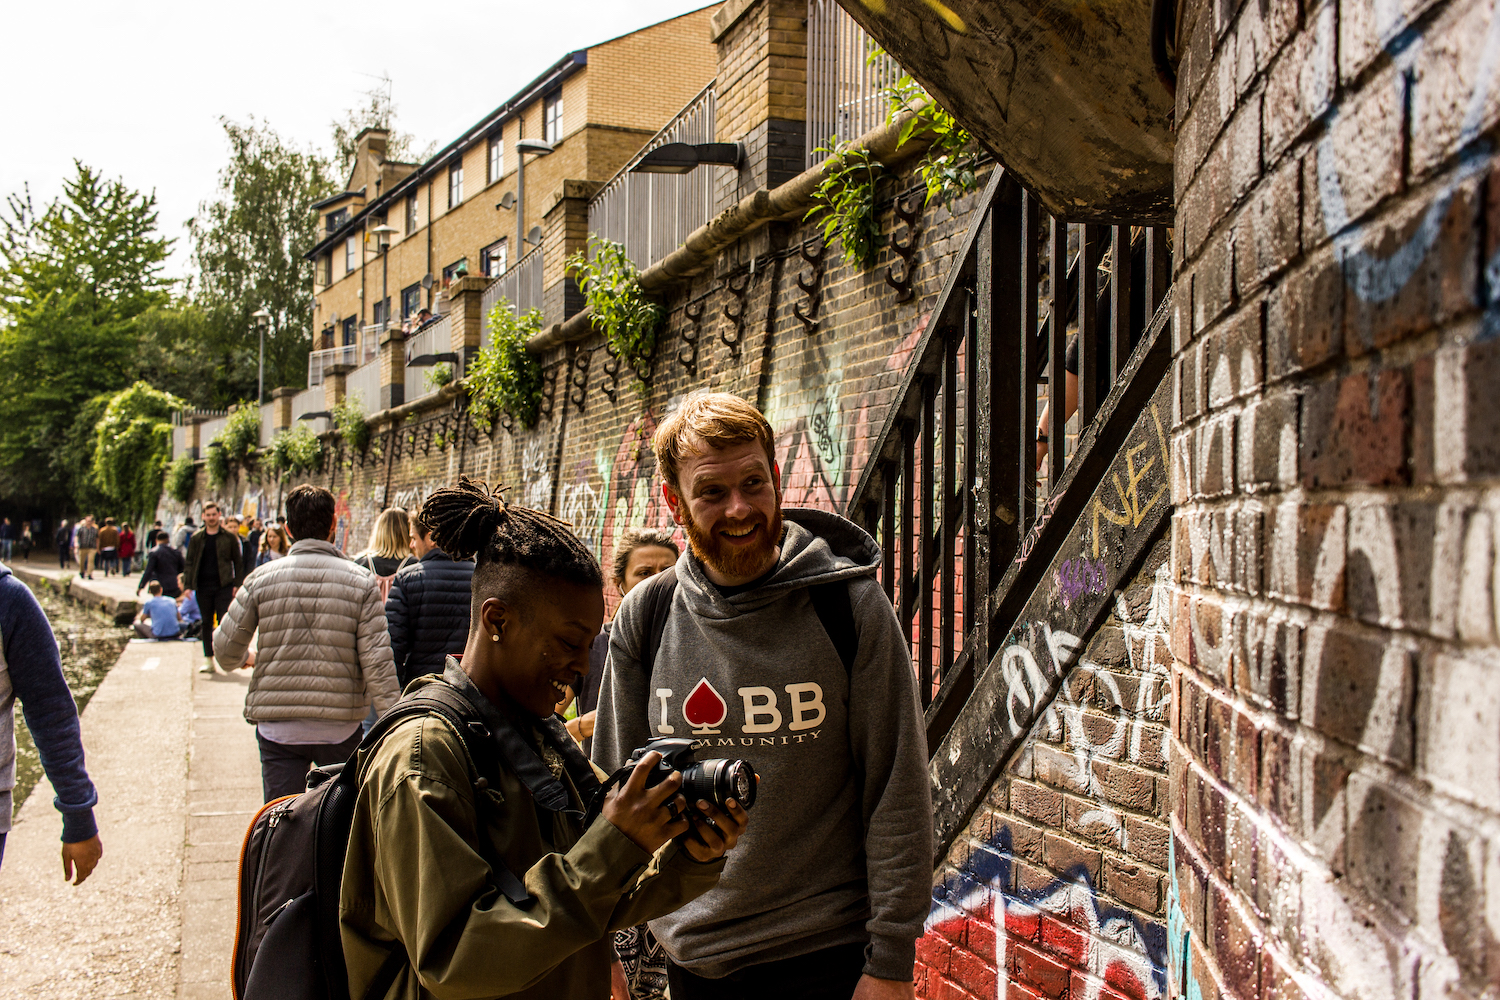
(470, 872)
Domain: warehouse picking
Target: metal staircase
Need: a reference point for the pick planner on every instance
(982, 555)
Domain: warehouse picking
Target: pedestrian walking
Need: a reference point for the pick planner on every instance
(181, 536)
(164, 566)
(213, 573)
(323, 653)
(250, 546)
(158, 618)
(31, 671)
(109, 546)
(127, 550)
(63, 539)
(428, 850)
(428, 607)
(27, 541)
(776, 635)
(7, 539)
(389, 548)
(273, 545)
(86, 542)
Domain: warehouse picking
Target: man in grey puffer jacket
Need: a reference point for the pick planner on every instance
(826, 893)
(323, 655)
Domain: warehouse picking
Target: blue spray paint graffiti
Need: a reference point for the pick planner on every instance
(1117, 950)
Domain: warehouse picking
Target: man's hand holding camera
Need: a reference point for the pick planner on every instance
(651, 815)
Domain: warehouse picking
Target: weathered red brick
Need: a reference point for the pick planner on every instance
(1037, 802)
(1034, 969)
(973, 973)
(1353, 435)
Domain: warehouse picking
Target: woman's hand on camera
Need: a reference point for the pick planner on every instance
(716, 837)
(648, 816)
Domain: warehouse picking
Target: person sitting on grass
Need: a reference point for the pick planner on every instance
(420, 877)
(158, 617)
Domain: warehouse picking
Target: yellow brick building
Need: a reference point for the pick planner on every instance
(462, 212)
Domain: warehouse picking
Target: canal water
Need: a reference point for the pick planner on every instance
(89, 646)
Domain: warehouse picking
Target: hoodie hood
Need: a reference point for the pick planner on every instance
(816, 547)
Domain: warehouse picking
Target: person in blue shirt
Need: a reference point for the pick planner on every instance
(31, 670)
(158, 617)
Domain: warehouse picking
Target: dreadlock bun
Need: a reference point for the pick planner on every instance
(470, 519)
(462, 519)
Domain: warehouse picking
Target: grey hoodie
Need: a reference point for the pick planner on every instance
(839, 847)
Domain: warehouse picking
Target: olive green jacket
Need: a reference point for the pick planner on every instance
(227, 549)
(415, 872)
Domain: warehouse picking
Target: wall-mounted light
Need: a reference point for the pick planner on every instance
(682, 157)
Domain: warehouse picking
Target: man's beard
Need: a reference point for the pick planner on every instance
(734, 562)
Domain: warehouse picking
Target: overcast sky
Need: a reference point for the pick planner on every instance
(137, 90)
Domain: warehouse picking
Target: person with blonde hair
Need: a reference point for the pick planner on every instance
(389, 548)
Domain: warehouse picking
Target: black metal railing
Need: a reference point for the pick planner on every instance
(952, 491)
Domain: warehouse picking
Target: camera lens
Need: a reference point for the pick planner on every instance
(719, 781)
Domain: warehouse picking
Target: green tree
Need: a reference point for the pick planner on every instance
(184, 349)
(74, 278)
(248, 252)
(132, 446)
(378, 111)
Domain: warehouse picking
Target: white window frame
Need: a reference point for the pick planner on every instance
(488, 257)
(455, 184)
(351, 254)
(495, 158)
(411, 213)
(552, 113)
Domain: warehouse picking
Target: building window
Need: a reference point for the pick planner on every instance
(496, 159)
(351, 254)
(456, 184)
(381, 314)
(337, 219)
(325, 269)
(552, 116)
(494, 258)
(411, 213)
(351, 330)
(411, 300)
(455, 270)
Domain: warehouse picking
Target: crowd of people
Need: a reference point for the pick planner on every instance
(769, 636)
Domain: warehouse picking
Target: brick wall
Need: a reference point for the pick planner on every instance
(1336, 707)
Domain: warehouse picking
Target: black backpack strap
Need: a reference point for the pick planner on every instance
(446, 702)
(831, 602)
(660, 590)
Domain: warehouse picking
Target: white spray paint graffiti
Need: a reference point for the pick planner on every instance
(536, 476)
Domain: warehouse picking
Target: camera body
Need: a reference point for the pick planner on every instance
(716, 780)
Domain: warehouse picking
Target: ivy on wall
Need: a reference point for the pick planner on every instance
(235, 446)
(505, 377)
(295, 451)
(181, 476)
(844, 202)
(617, 307)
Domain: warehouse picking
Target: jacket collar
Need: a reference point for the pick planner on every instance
(519, 755)
(313, 545)
(436, 554)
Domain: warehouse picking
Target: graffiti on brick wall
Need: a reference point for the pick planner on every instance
(536, 475)
(1377, 278)
(992, 938)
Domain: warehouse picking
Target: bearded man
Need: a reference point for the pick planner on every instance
(772, 641)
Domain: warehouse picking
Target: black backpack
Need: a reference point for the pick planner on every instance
(829, 600)
(287, 944)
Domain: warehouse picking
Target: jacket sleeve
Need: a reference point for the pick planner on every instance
(190, 562)
(147, 573)
(462, 936)
(889, 744)
(397, 622)
(236, 628)
(373, 643)
(47, 704)
(623, 721)
(236, 561)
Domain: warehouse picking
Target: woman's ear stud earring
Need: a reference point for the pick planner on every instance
(494, 637)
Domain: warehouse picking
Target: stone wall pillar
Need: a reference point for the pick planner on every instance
(194, 436)
(761, 92)
(466, 313)
(565, 228)
(392, 361)
(281, 408)
(334, 379)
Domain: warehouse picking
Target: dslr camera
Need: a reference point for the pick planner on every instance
(715, 781)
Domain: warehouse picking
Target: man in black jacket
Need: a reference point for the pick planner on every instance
(215, 574)
(164, 565)
(428, 608)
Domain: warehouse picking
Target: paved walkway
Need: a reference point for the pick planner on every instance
(156, 919)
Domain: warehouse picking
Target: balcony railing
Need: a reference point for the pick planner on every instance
(265, 424)
(652, 214)
(363, 386)
(179, 441)
(845, 87)
(369, 341)
(435, 338)
(319, 362)
(520, 285)
(309, 401)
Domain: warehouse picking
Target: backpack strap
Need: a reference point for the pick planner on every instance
(831, 602)
(660, 590)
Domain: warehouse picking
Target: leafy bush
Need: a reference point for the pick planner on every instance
(947, 169)
(505, 378)
(217, 464)
(438, 375)
(349, 421)
(181, 476)
(241, 435)
(845, 200)
(132, 446)
(296, 451)
(617, 306)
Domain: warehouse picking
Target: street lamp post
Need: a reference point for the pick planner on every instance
(262, 320)
(539, 147)
(382, 235)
